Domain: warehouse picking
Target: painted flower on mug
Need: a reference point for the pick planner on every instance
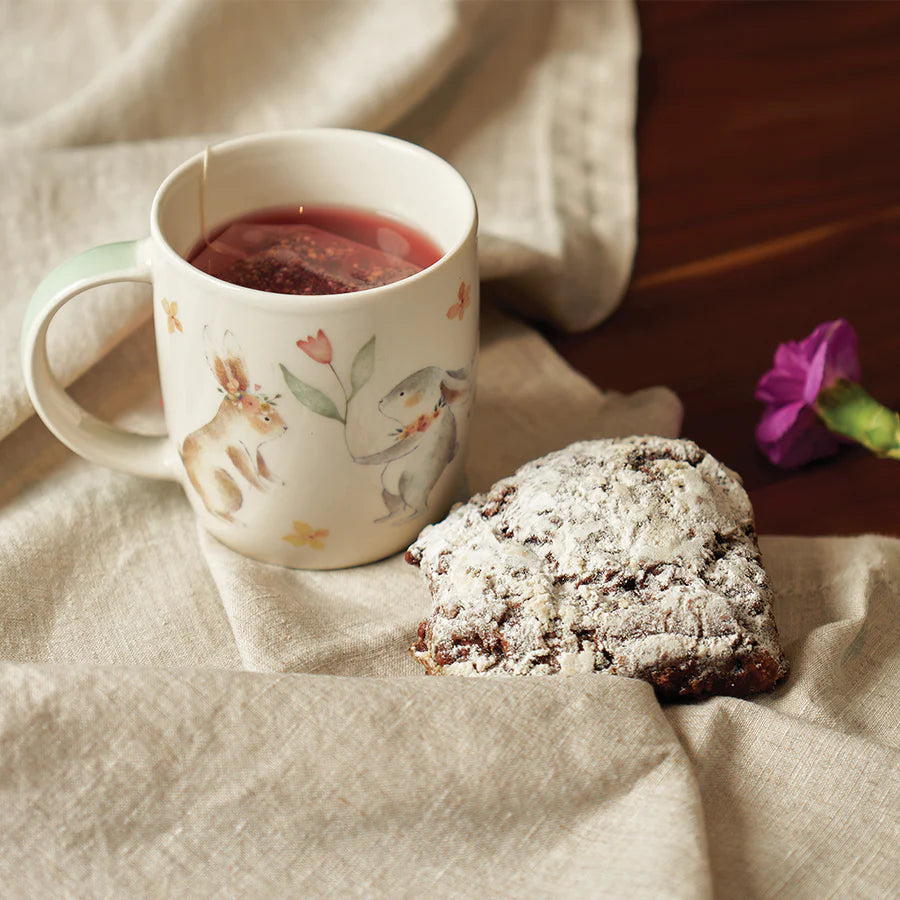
(419, 424)
(463, 300)
(304, 535)
(171, 311)
(317, 348)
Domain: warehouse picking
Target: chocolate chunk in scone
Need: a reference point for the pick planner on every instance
(635, 557)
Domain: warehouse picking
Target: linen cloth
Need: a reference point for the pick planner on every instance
(177, 720)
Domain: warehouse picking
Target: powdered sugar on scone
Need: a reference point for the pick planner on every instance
(635, 557)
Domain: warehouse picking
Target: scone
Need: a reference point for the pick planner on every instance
(636, 557)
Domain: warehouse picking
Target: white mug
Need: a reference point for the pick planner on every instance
(308, 431)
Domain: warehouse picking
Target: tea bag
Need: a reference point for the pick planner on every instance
(298, 259)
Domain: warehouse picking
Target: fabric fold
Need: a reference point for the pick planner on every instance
(233, 782)
(771, 782)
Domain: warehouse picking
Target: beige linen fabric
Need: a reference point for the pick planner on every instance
(353, 775)
(176, 720)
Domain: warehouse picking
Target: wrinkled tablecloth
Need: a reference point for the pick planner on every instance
(176, 720)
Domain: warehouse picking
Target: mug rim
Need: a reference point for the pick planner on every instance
(309, 302)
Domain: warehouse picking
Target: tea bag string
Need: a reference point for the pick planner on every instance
(204, 231)
(203, 178)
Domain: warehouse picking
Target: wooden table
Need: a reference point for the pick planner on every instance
(768, 143)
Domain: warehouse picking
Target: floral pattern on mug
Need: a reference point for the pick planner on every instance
(317, 348)
(304, 535)
(425, 441)
(463, 301)
(171, 311)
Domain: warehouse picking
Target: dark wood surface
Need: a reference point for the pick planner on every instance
(768, 141)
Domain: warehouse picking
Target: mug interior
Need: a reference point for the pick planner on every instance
(329, 167)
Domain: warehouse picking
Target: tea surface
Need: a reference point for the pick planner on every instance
(314, 250)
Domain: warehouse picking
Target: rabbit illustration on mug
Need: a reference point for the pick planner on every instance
(225, 451)
(425, 444)
(425, 441)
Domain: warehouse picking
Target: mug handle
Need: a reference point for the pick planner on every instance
(88, 436)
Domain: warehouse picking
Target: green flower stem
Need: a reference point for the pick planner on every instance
(847, 409)
(343, 389)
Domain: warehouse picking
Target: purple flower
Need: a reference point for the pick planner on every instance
(790, 432)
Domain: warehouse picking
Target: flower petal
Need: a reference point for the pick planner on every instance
(785, 381)
(317, 348)
(781, 386)
(791, 445)
(836, 357)
(791, 354)
(842, 359)
(776, 421)
(815, 375)
(810, 345)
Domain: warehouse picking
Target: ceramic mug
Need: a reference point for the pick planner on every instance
(307, 431)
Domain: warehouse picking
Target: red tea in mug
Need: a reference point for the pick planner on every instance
(314, 250)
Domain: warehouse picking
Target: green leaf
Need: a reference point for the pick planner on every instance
(363, 367)
(312, 398)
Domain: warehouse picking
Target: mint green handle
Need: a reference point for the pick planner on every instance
(88, 436)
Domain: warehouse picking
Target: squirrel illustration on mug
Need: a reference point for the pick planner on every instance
(426, 442)
(227, 449)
